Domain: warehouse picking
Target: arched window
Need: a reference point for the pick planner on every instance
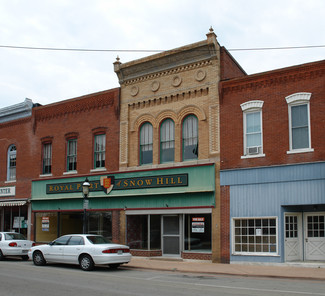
(11, 172)
(299, 122)
(253, 128)
(190, 138)
(146, 143)
(167, 141)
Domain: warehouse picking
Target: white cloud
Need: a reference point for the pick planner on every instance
(47, 76)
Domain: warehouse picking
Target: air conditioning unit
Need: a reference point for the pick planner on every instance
(253, 150)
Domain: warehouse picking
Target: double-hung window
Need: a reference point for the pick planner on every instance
(72, 155)
(11, 172)
(99, 151)
(299, 122)
(167, 141)
(146, 143)
(190, 138)
(47, 158)
(253, 135)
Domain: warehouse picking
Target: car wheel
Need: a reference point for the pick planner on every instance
(1, 256)
(38, 258)
(86, 263)
(114, 266)
(24, 257)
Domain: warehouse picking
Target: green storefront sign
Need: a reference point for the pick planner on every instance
(122, 184)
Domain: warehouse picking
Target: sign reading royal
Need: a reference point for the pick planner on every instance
(109, 183)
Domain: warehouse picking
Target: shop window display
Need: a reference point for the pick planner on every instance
(197, 234)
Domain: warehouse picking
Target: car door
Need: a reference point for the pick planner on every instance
(72, 250)
(54, 251)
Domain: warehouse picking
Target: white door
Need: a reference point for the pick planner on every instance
(293, 237)
(315, 236)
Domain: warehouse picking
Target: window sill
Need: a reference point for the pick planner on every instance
(70, 173)
(252, 156)
(45, 175)
(300, 151)
(10, 181)
(256, 254)
(98, 170)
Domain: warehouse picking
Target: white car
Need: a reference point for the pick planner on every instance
(87, 250)
(14, 244)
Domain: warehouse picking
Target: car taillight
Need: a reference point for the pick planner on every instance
(114, 251)
(33, 244)
(13, 244)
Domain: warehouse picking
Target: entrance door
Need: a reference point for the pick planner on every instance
(315, 236)
(171, 235)
(293, 237)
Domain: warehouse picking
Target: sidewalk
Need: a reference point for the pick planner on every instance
(315, 271)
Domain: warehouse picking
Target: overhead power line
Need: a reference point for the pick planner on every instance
(152, 50)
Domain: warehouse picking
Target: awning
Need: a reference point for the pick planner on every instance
(13, 203)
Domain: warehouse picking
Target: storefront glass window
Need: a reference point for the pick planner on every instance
(100, 223)
(15, 219)
(197, 234)
(155, 232)
(137, 234)
(46, 229)
(71, 223)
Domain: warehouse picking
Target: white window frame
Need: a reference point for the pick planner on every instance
(9, 167)
(247, 108)
(297, 99)
(146, 142)
(234, 252)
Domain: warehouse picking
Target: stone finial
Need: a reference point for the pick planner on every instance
(117, 64)
(211, 33)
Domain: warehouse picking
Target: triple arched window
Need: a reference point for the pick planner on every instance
(167, 145)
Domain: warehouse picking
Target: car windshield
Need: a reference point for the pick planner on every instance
(14, 235)
(98, 239)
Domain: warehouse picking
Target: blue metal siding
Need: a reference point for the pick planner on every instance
(264, 192)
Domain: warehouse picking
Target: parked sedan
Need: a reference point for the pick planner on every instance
(85, 250)
(14, 244)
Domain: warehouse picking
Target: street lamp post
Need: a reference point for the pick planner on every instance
(85, 191)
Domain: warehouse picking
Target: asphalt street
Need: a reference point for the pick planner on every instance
(23, 278)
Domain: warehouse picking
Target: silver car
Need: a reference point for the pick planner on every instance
(14, 244)
(86, 250)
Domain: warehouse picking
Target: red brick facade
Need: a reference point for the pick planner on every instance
(18, 133)
(272, 88)
(82, 118)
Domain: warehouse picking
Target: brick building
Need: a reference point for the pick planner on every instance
(169, 133)
(15, 161)
(73, 140)
(272, 164)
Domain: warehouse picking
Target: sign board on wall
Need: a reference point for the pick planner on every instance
(121, 184)
(8, 191)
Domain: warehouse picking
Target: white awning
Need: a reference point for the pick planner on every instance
(13, 203)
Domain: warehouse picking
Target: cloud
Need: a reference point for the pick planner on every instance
(49, 76)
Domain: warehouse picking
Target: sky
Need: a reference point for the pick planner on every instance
(131, 29)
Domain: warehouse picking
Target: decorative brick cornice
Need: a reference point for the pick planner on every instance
(78, 105)
(276, 77)
(169, 98)
(168, 72)
(168, 62)
(15, 122)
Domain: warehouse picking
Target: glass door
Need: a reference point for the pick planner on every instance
(171, 235)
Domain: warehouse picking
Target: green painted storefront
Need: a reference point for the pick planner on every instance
(182, 195)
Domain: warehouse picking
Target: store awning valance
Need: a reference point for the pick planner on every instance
(13, 203)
